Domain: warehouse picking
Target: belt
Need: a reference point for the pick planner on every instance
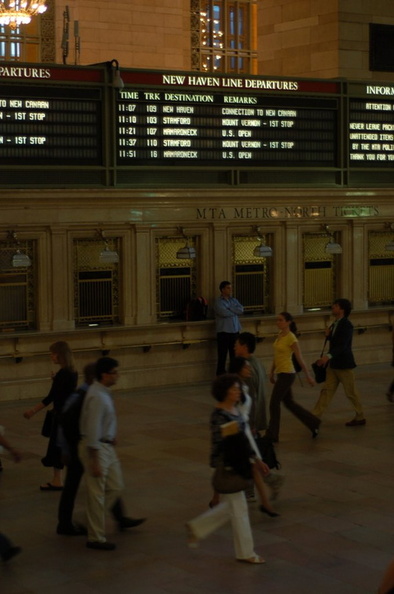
(110, 441)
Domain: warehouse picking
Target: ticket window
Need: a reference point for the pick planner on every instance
(17, 288)
(320, 272)
(380, 269)
(176, 279)
(96, 283)
(252, 275)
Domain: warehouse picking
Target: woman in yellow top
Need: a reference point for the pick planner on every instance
(285, 346)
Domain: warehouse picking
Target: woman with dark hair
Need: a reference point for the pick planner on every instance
(226, 391)
(64, 383)
(283, 375)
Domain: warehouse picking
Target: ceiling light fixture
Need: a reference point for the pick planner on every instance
(14, 13)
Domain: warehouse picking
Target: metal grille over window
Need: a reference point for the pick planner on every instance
(176, 279)
(319, 272)
(251, 275)
(96, 284)
(224, 36)
(381, 269)
(17, 287)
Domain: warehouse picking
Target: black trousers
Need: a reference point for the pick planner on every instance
(5, 544)
(391, 389)
(282, 392)
(225, 344)
(74, 474)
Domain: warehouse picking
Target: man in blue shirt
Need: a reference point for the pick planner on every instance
(227, 309)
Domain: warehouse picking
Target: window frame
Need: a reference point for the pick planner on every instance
(226, 41)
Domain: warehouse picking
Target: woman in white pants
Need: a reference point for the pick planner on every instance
(226, 391)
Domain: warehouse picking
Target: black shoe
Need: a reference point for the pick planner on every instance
(315, 433)
(71, 530)
(11, 552)
(125, 522)
(271, 514)
(356, 422)
(101, 546)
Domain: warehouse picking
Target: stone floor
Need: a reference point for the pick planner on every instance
(335, 532)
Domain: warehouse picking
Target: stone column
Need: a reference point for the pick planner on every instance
(145, 263)
(62, 281)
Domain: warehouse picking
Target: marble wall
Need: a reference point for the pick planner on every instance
(138, 33)
(316, 38)
(153, 352)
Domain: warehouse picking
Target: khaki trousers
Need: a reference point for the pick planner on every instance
(103, 491)
(335, 377)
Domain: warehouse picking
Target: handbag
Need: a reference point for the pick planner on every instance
(267, 451)
(226, 480)
(47, 424)
(320, 370)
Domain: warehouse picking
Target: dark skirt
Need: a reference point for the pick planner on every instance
(53, 457)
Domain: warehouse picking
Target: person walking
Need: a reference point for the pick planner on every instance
(103, 473)
(227, 309)
(241, 366)
(245, 346)
(227, 392)
(70, 435)
(7, 549)
(64, 383)
(283, 375)
(340, 363)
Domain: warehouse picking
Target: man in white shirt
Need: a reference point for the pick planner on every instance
(103, 473)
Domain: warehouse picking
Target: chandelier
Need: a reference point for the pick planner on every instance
(19, 12)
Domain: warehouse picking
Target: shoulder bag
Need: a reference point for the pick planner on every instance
(226, 480)
(320, 370)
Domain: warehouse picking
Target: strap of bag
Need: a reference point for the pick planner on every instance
(324, 346)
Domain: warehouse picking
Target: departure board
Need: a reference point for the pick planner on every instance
(50, 125)
(236, 129)
(371, 132)
(184, 126)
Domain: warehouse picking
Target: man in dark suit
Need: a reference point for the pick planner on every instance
(340, 363)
